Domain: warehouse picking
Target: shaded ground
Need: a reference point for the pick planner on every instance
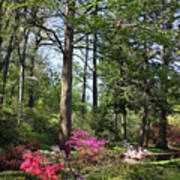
(171, 153)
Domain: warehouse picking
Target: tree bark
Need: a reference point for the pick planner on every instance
(66, 81)
(22, 58)
(84, 76)
(148, 134)
(6, 66)
(163, 103)
(95, 91)
(145, 98)
(21, 89)
(143, 124)
(38, 39)
(162, 139)
(6, 61)
(31, 90)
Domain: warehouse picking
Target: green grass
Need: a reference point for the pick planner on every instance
(17, 175)
(158, 150)
(160, 170)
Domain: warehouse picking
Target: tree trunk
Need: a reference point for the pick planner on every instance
(31, 69)
(145, 98)
(66, 81)
(22, 58)
(162, 141)
(84, 76)
(95, 91)
(123, 124)
(115, 120)
(147, 134)
(167, 51)
(21, 90)
(143, 124)
(6, 66)
(31, 90)
(6, 61)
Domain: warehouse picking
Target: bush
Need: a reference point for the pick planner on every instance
(38, 165)
(13, 158)
(28, 141)
(8, 130)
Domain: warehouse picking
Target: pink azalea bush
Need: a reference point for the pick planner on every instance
(38, 165)
(90, 148)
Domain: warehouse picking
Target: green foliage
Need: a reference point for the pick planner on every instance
(27, 140)
(98, 124)
(167, 170)
(36, 128)
(138, 54)
(8, 127)
(17, 175)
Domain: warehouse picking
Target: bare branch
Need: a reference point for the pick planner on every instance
(54, 34)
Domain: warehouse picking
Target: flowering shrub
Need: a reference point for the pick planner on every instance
(54, 156)
(13, 158)
(38, 165)
(89, 147)
(72, 170)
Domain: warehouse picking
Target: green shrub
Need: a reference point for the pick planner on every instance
(8, 128)
(27, 140)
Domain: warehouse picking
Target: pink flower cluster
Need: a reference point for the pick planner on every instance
(38, 165)
(86, 145)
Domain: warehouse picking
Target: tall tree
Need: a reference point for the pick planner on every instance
(85, 75)
(7, 57)
(66, 81)
(95, 90)
(167, 58)
(38, 39)
(22, 58)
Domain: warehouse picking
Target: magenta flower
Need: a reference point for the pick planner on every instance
(35, 165)
(88, 146)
